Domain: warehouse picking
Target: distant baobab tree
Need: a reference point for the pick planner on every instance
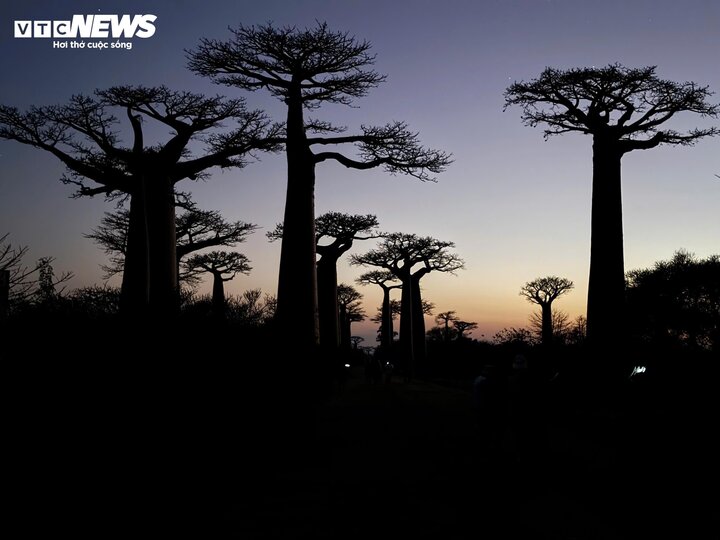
(399, 254)
(350, 311)
(623, 109)
(223, 266)
(335, 233)
(387, 282)
(195, 230)
(305, 69)
(463, 326)
(543, 292)
(84, 134)
(444, 319)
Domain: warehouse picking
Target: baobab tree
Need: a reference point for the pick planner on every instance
(335, 233)
(195, 230)
(350, 311)
(84, 135)
(409, 258)
(543, 292)
(444, 319)
(306, 69)
(223, 266)
(383, 278)
(623, 109)
(463, 326)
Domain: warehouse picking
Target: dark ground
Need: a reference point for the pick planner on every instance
(172, 454)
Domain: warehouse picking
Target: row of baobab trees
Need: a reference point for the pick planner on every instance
(622, 109)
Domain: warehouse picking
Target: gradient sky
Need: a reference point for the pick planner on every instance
(517, 207)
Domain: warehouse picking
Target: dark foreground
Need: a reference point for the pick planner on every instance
(179, 453)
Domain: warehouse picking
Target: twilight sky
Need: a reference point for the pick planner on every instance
(517, 207)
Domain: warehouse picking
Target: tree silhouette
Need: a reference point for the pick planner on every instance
(543, 292)
(350, 311)
(24, 281)
(677, 302)
(84, 134)
(463, 326)
(399, 253)
(382, 278)
(223, 266)
(194, 230)
(444, 319)
(340, 230)
(305, 69)
(623, 109)
(561, 325)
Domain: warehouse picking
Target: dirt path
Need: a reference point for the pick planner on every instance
(404, 460)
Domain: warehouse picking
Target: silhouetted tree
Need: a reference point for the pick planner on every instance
(350, 311)
(304, 69)
(24, 281)
(444, 319)
(399, 253)
(356, 340)
(623, 109)
(223, 266)
(560, 324)
(677, 301)
(518, 337)
(194, 230)
(382, 278)
(84, 135)
(463, 326)
(543, 292)
(340, 230)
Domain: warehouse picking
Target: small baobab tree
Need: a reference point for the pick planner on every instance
(543, 292)
(387, 282)
(222, 266)
(444, 319)
(623, 109)
(350, 311)
(463, 326)
(409, 258)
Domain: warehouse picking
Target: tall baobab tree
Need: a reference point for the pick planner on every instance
(335, 233)
(383, 278)
(623, 109)
(223, 266)
(305, 69)
(195, 230)
(409, 258)
(543, 292)
(84, 135)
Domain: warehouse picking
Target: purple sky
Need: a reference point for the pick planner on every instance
(516, 206)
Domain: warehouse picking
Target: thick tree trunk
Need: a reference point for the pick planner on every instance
(606, 289)
(327, 302)
(297, 302)
(406, 327)
(135, 288)
(386, 323)
(218, 295)
(547, 329)
(162, 245)
(418, 331)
